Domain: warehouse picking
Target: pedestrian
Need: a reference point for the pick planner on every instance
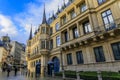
(15, 69)
(8, 70)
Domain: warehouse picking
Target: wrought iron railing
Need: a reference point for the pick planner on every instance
(107, 27)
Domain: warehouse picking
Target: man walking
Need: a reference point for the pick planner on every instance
(15, 70)
(8, 70)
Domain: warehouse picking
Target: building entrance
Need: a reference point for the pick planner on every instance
(37, 69)
(56, 64)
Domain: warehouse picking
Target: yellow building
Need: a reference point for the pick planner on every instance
(3, 53)
(83, 36)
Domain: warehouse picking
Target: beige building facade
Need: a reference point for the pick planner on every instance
(3, 54)
(82, 36)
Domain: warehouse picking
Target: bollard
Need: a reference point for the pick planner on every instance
(77, 74)
(53, 75)
(99, 75)
(63, 74)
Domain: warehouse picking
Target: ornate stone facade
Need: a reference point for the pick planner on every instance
(82, 36)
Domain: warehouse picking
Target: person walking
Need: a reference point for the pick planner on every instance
(15, 70)
(8, 70)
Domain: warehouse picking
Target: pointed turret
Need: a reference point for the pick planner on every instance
(44, 21)
(64, 5)
(30, 37)
(58, 11)
(53, 16)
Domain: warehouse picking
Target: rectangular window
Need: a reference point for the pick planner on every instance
(69, 59)
(51, 44)
(58, 41)
(116, 50)
(57, 26)
(42, 44)
(83, 7)
(101, 1)
(47, 44)
(99, 54)
(47, 30)
(64, 20)
(43, 30)
(79, 56)
(75, 32)
(66, 36)
(87, 27)
(72, 14)
(108, 20)
(51, 31)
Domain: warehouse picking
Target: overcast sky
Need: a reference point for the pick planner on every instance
(16, 16)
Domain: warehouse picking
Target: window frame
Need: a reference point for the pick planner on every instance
(83, 7)
(109, 25)
(64, 19)
(58, 41)
(99, 57)
(102, 1)
(69, 59)
(57, 26)
(116, 54)
(66, 36)
(79, 57)
(43, 44)
(72, 14)
(75, 32)
(87, 27)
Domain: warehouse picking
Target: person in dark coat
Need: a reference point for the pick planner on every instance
(15, 70)
(8, 71)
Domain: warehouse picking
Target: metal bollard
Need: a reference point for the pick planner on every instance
(78, 76)
(63, 74)
(53, 75)
(99, 75)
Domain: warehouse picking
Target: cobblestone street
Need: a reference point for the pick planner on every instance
(3, 76)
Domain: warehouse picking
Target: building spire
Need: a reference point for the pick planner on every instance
(30, 37)
(44, 21)
(64, 3)
(58, 11)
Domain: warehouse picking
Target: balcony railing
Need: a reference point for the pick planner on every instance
(32, 55)
(107, 27)
(96, 31)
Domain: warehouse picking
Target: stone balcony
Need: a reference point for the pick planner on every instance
(99, 33)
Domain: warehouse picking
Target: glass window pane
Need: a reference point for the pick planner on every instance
(106, 20)
(108, 12)
(110, 19)
(116, 51)
(89, 28)
(104, 14)
(99, 54)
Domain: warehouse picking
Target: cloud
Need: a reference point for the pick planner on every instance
(32, 14)
(7, 26)
(34, 11)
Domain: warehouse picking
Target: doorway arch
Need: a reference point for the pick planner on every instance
(56, 64)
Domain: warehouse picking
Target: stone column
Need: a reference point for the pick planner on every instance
(43, 64)
(42, 71)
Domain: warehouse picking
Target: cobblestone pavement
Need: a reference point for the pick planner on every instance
(3, 76)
